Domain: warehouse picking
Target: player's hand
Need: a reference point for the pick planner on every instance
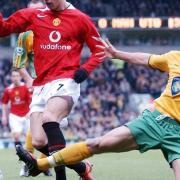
(80, 75)
(108, 50)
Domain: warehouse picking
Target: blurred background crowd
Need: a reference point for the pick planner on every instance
(120, 8)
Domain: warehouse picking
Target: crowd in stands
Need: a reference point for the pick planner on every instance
(104, 99)
(149, 41)
(99, 8)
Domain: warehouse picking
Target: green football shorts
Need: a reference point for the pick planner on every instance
(153, 130)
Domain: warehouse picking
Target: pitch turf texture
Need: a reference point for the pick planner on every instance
(124, 166)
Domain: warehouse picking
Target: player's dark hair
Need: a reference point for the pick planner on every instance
(14, 70)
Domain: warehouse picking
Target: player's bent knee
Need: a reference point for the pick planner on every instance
(48, 117)
(176, 168)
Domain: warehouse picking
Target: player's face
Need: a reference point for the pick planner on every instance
(15, 77)
(54, 4)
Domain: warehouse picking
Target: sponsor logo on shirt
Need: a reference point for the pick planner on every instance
(175, 88)
(55, 37)
(19, 51)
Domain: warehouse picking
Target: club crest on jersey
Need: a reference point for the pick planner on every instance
(175, 88)
(56, 22)
(16, 93)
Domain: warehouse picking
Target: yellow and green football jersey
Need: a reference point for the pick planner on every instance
(23, 54)
(169, 101)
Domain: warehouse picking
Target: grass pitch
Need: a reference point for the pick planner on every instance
(124, 166)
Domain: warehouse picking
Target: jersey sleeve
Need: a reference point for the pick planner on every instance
(160, 62)
(90, 31)
(18, 22)
(5, 97)
(20, 54)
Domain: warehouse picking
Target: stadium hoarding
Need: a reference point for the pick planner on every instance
(139, 23)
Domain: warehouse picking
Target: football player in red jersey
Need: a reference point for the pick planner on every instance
(19, 97)
(60, 30)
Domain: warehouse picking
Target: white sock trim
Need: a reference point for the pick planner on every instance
(52, 161)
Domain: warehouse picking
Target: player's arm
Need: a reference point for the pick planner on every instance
(4, 114)
(109, 51)
(88, 32)
(26, 76)
(5, 100)
(155, 61)
(18, 22)
(20, 57)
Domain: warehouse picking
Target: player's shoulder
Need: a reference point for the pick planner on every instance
(172, 56)
(24, 35)
(26, 11)
(35, 11)
(9, 88)
(174, 53)
(27, 33)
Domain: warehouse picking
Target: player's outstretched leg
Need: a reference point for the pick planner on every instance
(117, 140)
(29, 160)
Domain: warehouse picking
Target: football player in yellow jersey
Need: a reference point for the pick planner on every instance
(159, 129)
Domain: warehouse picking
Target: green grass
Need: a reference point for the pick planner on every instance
(124, 166)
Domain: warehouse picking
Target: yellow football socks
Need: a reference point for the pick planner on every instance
(28, 145)
(43, 164)
(70, 155)
(42, 156)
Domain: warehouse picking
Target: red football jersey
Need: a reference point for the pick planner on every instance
(58, 40)
(19, 98)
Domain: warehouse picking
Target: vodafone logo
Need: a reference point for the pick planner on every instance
(55, 36)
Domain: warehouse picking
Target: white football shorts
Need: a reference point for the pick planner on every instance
(18, 124)
(60, 87)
